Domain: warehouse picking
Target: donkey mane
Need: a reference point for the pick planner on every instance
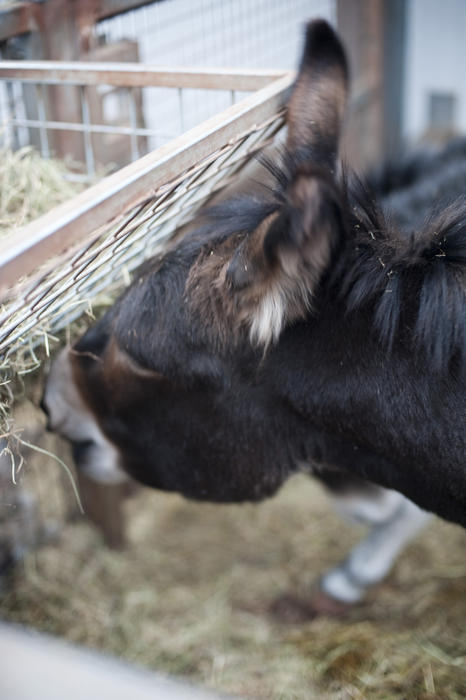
(417, 275)
(397, 268)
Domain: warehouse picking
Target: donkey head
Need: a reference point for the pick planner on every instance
(172, 374)
(281, 332)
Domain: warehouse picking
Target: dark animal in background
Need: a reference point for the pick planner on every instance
(314, 328)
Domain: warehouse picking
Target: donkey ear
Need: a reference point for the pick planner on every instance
(318, 98)
(275, 271)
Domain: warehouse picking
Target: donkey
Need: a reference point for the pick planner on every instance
(308, 328)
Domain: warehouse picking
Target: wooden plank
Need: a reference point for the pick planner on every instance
(137, 75)
(110, 8)
(18, 18)
(52, 233)
(21, 17)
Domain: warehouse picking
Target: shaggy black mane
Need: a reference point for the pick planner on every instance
(425, 266)
(394, 268)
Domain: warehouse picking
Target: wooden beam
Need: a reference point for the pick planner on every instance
(18, 18)
(110, 8)
(21, 17)
(136, 75)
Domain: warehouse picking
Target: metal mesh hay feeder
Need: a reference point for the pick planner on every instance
(55, 269)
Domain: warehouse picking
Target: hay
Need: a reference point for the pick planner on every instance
(191, 597)
(30, 185)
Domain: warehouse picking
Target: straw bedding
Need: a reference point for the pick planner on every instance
(192, 594)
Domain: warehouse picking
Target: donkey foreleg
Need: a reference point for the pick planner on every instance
(394, 521)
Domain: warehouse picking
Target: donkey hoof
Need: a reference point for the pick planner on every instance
(325, 605)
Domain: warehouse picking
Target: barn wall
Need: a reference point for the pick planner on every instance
(435, 62)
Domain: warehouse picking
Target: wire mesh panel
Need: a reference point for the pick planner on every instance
(230, 34)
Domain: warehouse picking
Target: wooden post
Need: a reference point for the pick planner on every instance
(360, 24)
(394, 63)
(373, 33)
(115, 148)
(60, 40)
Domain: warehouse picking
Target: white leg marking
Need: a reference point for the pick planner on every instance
(395, 521)
(376, 505)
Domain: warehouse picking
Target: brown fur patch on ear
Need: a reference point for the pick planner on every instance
(264, 280)
(236, 287)
(208, 294)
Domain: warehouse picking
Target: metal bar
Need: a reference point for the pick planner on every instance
(31, 245)
(394, 31)
(86, 119)
(93, 128)
(12, 111)
(181, 109)
(133, 117)
(44, 143)
(137, 75)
